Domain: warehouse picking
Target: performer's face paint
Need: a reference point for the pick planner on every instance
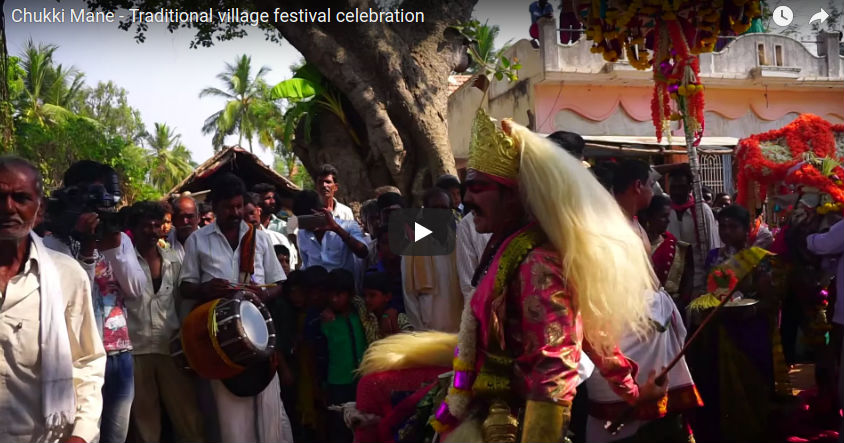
(495, 206)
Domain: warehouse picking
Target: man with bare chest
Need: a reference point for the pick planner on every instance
(153, 320)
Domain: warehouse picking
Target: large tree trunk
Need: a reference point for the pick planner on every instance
(395, 76)
(331, 143)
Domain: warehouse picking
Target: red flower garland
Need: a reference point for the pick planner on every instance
(656, 114)
(808, 175)
(807, 133)
(721, 278)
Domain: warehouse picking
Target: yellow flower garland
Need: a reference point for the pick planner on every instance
(642, 62)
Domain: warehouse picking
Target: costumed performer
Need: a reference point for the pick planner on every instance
(556, 279)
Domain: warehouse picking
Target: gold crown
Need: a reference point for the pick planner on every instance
(492, 151)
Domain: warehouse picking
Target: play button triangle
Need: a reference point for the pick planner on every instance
(420, 232)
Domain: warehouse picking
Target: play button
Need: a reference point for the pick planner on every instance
(420, 232)
(416, 232)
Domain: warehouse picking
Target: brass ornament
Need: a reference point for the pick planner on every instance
(500, 425)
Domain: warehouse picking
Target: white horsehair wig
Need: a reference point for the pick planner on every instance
(604, 261)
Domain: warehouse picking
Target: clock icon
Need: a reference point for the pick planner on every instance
(783, 16)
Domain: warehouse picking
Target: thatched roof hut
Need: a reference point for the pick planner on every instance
(239, 161)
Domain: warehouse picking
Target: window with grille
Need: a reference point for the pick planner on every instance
(712, 172)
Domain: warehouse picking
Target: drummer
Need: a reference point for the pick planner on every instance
(212, 269)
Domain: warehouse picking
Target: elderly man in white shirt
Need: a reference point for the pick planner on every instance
(185, 223)
(327, 186)
(334, 243)
(209, 270)
(52, 362)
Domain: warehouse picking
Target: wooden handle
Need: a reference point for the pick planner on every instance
(616, 424)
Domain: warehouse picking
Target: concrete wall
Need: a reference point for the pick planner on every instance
(515, 99)
(618, 123)
(504, 99)
(569, 88)
(515, 103)
(743, 55)
(529, 58)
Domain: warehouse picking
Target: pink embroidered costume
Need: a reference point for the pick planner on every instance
(523, 330)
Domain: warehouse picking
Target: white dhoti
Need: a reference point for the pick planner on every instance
(259, 419)
(651, 354)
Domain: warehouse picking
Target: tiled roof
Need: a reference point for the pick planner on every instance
(456, 81)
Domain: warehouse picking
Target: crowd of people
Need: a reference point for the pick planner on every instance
(93, 297)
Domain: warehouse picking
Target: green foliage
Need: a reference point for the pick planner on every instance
(108, 104)
(170, 159)
(483, 43)
(308, 93)
(14, 77)
(488, 61)
(59, 120)
(14, 84)
(296, 89)
(53, 148)
(243, 93)
(290, 166)
(206, 34)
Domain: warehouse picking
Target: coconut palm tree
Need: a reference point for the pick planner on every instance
(242, 92)
(484, 44)
(171, 160)
(48, 89)
(64, 86)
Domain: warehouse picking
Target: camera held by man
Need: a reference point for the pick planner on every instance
(86, 206)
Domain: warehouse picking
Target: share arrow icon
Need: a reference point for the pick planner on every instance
(820, 16)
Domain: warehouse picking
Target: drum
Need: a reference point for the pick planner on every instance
(739, 310)
(222, 338)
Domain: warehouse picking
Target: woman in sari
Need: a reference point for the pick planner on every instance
(737, 361)
(671, 259)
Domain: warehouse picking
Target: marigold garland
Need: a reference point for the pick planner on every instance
(807, 136)
(615, 26)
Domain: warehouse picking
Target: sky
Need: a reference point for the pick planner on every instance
(163, 76)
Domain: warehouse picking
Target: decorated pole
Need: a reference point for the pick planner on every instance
(667, 36)
(702, 230)
(686, 90)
